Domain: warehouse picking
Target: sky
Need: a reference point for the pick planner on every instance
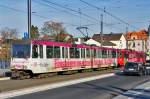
(74, 13)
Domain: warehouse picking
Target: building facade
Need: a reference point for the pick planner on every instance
(137, 40)
(116, 38)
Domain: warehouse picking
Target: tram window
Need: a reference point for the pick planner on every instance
(49, 51)
(104, 53)
(77, 53)
(20, 50)
(88, 53)
(119, 54)
(94, 53)
(64, 52)
(56, 52)
(82, 53)
(41, 51)
(99, 54)
(34, 51)
(109, 53)
(72, 53)
(113, 54)
(126, 55)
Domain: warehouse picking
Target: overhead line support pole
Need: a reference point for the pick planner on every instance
(29, 17)
(101, 32)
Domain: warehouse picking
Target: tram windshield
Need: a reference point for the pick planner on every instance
(21, 50)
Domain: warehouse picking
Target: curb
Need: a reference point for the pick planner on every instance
(4, 78)
(30, 90)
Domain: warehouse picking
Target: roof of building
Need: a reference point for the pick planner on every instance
(106, 43)
(108, 37)
(143, 34)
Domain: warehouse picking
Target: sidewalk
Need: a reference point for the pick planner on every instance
(5, 74)
(140, 92)
(4, 78)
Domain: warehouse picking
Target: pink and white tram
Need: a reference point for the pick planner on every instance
(39, 57)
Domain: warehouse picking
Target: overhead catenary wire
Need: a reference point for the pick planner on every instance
(25, 12)
(48, 5)
(108, 13)
(21, 11)
(79, 12)
(67, 8)
(72, 10)
(44, 17)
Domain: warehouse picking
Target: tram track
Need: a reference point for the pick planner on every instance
(9, 85)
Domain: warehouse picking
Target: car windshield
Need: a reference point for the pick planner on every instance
(21, 50)
(148, 61)
(131, 65)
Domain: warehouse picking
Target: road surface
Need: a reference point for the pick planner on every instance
(105, 88)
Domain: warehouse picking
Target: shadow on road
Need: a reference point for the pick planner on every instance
(137, 94)
(113, 91)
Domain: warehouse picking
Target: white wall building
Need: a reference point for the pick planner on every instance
(92, 42)
(120, 42)
(118, 39)
(138, 45)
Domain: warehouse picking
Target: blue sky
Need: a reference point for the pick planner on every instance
(135, 12)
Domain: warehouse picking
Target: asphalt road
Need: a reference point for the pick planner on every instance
(105, 88)
(8, 85)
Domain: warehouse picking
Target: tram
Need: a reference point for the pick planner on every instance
(35, 57)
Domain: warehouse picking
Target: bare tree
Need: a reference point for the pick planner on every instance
(8, 33)
(52, 28)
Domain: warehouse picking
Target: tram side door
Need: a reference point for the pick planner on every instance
(39, 63)
(93, 56)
